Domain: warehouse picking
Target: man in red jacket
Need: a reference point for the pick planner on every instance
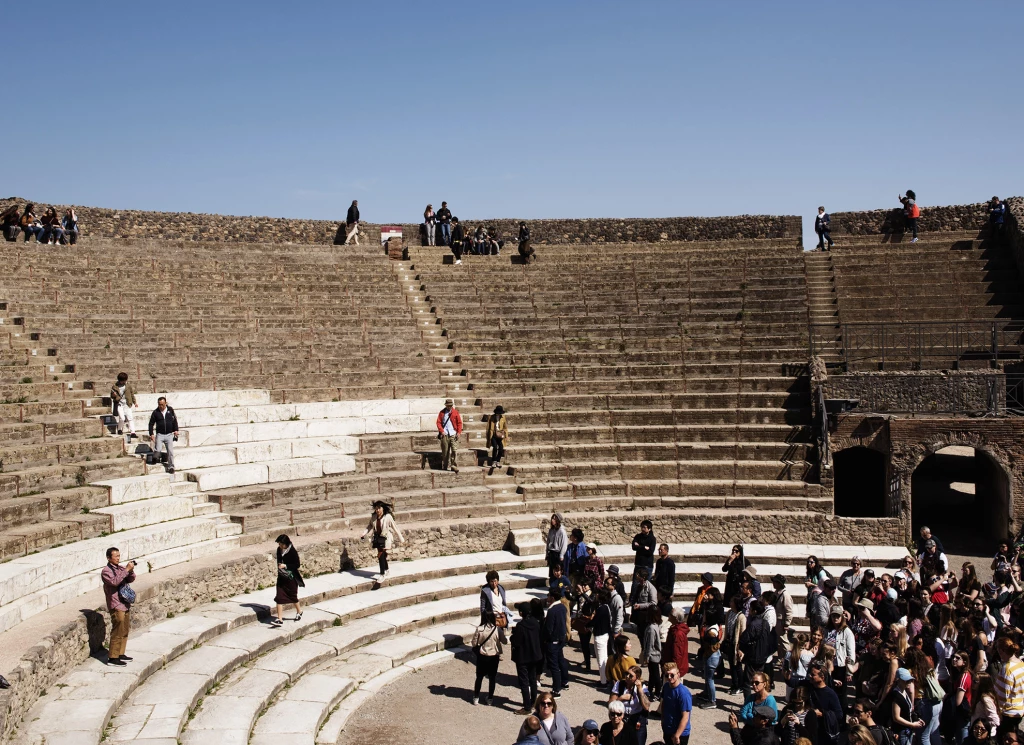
(677, 646)
(449, 427)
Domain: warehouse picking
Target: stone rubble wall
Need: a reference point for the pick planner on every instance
(1014, 230)
(139, 224)
(919, 392)
(46, 663)
(949, 218)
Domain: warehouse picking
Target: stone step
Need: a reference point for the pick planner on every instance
(527, 542)
(289, 469)
(141, 513)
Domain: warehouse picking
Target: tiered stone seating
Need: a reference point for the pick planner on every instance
(638, 374)
(943, 278)
(309, 325)
(218, 674)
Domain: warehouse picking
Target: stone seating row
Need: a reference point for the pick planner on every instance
(207, 675)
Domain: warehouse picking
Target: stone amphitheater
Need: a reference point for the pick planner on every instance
(704, 373)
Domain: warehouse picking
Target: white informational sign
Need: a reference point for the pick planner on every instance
(389, 231)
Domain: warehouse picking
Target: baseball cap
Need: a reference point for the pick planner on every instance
(765, 711)
(904, 674)
(591, 726)
(835, 610)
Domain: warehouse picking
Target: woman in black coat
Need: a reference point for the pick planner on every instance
(528, 654)
(733, 568)
(289, 580)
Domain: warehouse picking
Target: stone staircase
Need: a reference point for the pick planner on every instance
(823, 306)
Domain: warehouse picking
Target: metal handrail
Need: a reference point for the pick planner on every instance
(915, 342)
(826, 449)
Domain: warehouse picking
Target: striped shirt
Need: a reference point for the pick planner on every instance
(1010, 688)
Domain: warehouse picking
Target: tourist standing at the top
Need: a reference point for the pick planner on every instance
(429, 223)
(352, 224)
(821, 227)
(643, 544)
(444, 216)
(910, 212)
(996, 216)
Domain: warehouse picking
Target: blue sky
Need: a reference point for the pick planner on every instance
(530, 109)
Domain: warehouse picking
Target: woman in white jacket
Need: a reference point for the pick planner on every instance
(840, 636)
(382, 526)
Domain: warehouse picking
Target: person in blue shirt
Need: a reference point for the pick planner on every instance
(676, 705)
(757, 697)
(559, 582)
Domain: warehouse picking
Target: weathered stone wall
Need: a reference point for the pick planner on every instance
(951, 217)
(678, 527)
(54, 656)
(1014, 230)
(920, 392)
(137, 224)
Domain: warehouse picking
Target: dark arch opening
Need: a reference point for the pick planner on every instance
(859, 482)
(963, 495)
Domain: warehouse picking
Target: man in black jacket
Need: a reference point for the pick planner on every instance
(554, 640)
(528, 654)
(444, 216)
(458, 240)
(352, 224)
(165, 425)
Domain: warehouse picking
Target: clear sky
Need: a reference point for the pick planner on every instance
(526, 109)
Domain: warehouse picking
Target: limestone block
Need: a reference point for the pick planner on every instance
(436, 658)
(21, 576)
(382, 681)
(325, 689)
(383, 424)
(147, 512)
(338, 464)
(386, 407)
(269, 450)
(426, 406)
(331, 732)
(296, 657)
(262, 684)
(327, 446)
(216, 435)
(294, 469)
(134, 488)
(182, 400)
(226, 477)
(85, 717)
(329, 409)
(336, 427)
(208, 457)
(402, 648)
(211, 417)
(293, 718)
(278, 430)
(428, 422)
(270, 413)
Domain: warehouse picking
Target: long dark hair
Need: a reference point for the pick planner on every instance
(379, 503)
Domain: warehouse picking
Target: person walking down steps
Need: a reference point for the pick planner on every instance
(289, 580)
(497, 435)
(449, 427)
(122, 401)
(383, 528)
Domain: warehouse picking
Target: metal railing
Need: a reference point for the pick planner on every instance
(824, 448)
(917, 345)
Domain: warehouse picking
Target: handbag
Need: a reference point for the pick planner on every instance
(379, 541)
(500, 620)
(126, 593)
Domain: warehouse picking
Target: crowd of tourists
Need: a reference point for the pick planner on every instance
(51, 229)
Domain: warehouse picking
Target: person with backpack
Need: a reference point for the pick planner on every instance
(119, 596)
(757, 644)
(825, 702)
(911, 212)
(822, 228)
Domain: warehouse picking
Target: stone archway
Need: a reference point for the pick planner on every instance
(963, 492)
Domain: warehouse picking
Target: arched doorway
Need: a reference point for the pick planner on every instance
(963, 494)
(859, 482)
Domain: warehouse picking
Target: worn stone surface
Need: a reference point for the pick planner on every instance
(920, 392)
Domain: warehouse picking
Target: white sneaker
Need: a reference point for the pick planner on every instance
(914, 240)
(387, 573)
(458, 261)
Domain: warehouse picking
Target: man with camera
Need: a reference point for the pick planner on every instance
(449, 427)
(120, 596)
(165, 424)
